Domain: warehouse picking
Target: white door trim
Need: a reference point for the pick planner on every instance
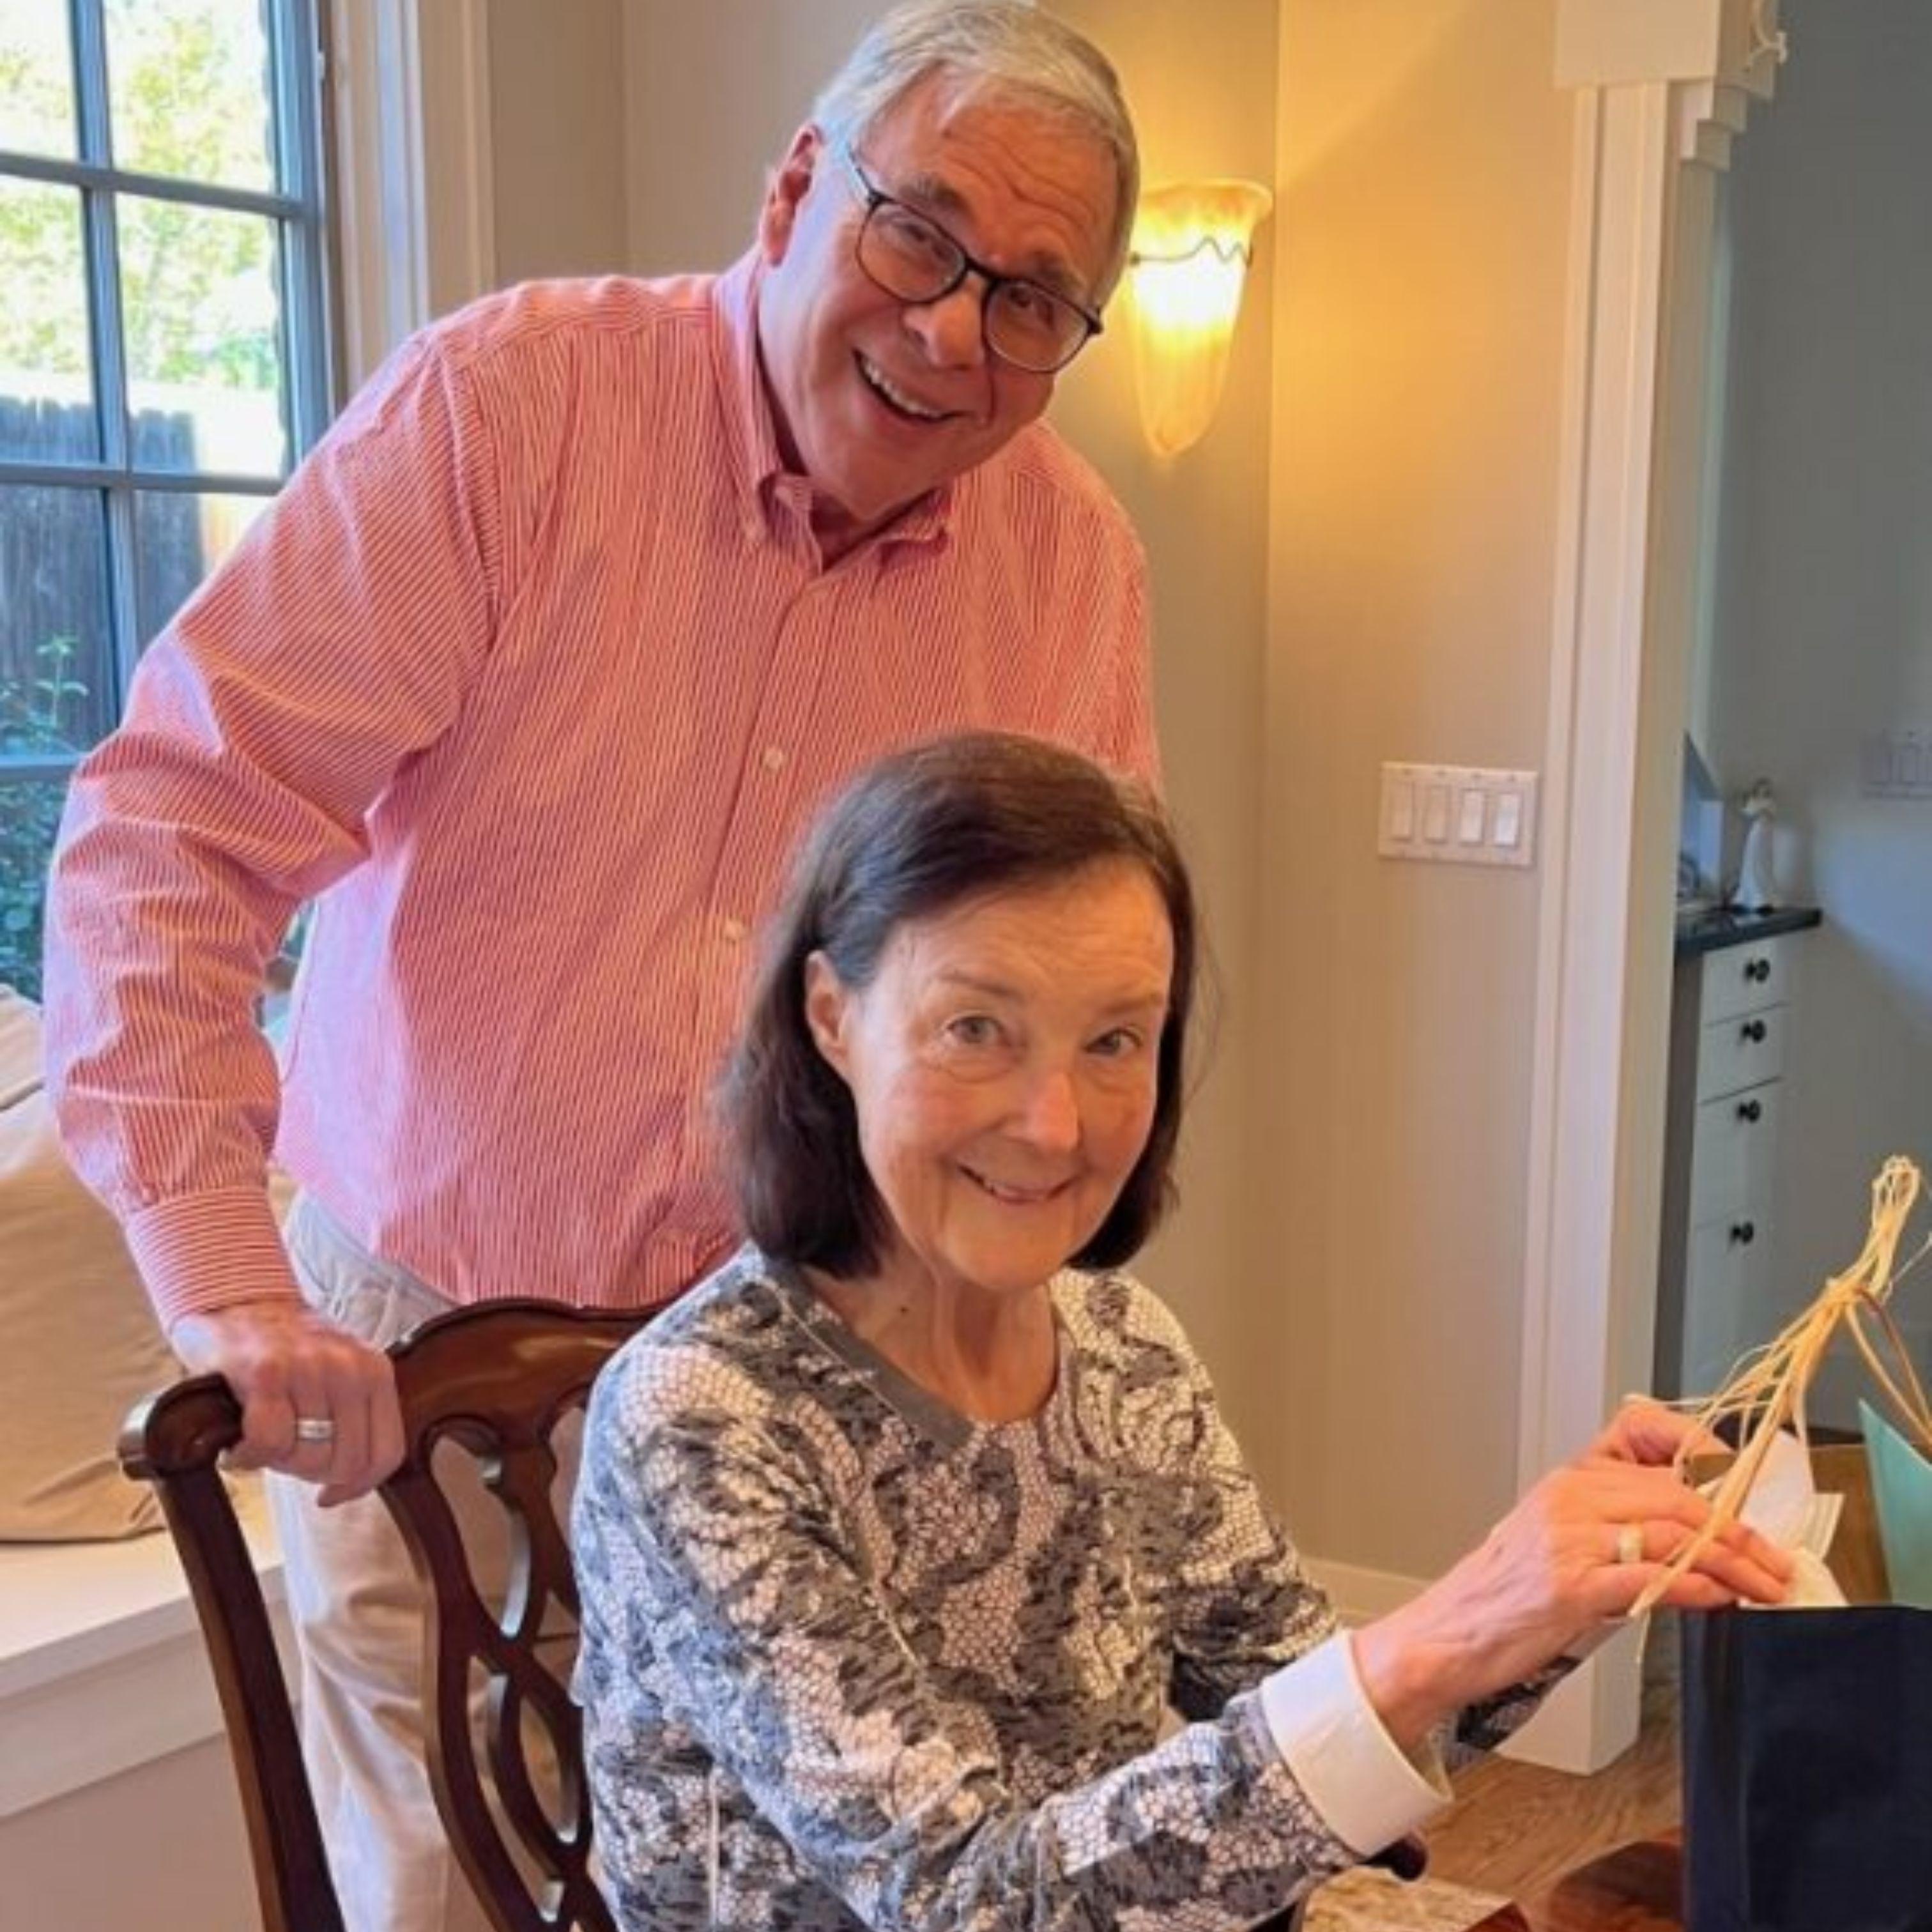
(1652, 82)
(409, 89)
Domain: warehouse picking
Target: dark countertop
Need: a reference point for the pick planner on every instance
(1710, 931)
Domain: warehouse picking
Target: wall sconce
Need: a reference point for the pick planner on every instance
(1192, 245)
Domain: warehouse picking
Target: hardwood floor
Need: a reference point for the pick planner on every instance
(1515, 1827)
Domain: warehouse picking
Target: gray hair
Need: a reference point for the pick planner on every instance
(990, 50)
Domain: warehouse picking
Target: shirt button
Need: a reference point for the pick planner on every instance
(774, 757)
(734, 931)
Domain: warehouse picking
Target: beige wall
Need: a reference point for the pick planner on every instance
(711, 95)
(1423, 232)
(1204, 105)
(557, 131)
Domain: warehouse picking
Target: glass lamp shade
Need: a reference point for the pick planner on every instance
(1193, 241)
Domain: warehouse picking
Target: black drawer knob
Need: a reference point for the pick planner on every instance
(1750, 1110)
(1754, 1031)
(1757, 970)
(1743, 1233)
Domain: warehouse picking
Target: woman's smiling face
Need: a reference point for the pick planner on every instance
(1003, 1062)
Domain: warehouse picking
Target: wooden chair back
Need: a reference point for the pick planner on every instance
(496, 1381)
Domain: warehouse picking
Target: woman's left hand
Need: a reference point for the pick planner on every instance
(1577, 1551)
(1650, 1432)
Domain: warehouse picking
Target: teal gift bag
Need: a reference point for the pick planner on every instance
(1901, 1480)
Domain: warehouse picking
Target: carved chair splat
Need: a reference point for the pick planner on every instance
(497, 1381)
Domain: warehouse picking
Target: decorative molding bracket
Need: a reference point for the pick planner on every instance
(1717, 57)
(1602, 43)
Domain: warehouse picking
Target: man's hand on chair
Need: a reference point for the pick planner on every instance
(315, 1401)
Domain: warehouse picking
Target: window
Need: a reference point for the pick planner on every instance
(163, 357)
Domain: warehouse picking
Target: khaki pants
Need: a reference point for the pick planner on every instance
(358, 1615)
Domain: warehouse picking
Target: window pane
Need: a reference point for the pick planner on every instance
(29, 815)
(56, 660)
(47, 385)
(179, 537)
(200, 293)
(36, 78)
(188, 83)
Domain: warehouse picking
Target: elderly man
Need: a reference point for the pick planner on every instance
(528, 681)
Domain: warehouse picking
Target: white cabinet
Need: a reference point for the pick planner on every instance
(1730, 1015)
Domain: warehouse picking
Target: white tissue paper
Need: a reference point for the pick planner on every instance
(1785, 1507)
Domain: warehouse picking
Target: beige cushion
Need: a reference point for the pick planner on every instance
(79, 1343)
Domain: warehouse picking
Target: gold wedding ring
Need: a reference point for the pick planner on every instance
(1630, 1542)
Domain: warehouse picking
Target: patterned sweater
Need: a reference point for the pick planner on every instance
(850, 1659)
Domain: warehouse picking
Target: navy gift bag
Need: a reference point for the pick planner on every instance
(1807, 1770)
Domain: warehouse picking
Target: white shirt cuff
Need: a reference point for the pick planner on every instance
(1368, 1791)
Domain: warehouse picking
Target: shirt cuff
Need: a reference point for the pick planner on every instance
(1368, 1791)
(200, 1252)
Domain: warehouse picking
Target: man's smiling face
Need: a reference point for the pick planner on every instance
(878, 401)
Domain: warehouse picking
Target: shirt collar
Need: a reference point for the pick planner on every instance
(768, 496)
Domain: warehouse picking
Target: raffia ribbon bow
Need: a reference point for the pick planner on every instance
(1767, 1390)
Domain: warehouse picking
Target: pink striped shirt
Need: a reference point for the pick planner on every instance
(534, 673)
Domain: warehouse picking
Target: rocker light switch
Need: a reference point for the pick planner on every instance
(1508, 827)
(1402, 810)
(1435, 814)
(1459, 814)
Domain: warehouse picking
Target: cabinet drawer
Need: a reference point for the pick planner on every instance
(1733, 1152)
(1740, 1052)
(1740, 979)
(1727, 1298)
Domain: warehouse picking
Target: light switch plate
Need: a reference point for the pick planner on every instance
(1458, 815)
(1896, 763)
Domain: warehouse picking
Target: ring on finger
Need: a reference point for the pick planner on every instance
(314, 1428)
(1630, 1542)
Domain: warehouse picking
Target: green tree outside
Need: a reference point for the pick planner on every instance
(190, 100)
(199, 298)
(32, 715)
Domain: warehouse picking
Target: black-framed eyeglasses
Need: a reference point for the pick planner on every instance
(910, 255)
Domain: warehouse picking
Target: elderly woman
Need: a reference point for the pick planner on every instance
(900, 1534)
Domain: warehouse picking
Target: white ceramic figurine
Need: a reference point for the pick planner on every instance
(1757, 884)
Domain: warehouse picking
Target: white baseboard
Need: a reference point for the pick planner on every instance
(1359, 1596)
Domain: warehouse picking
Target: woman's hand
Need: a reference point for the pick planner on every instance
(1651, 1432)
(1576, 1552)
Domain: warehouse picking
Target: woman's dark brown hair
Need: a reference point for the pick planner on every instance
(954, 820)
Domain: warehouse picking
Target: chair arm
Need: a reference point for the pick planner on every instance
(186, 1427)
